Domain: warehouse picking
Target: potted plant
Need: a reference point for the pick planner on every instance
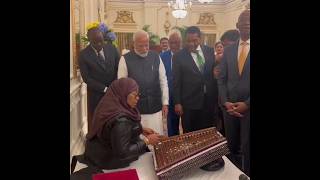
(154, 40)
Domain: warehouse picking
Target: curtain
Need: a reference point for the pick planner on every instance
(125, 40)
(208, 39)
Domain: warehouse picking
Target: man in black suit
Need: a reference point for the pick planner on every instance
(234, 90)
(98, 66)
(194, 87)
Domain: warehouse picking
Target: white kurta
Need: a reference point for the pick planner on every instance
(153, 121)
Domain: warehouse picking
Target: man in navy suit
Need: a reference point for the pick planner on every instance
(175, 46)
(98, 64)
(234, 90)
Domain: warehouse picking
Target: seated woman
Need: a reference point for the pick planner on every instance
(114, 140)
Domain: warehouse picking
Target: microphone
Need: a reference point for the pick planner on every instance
(243, 177)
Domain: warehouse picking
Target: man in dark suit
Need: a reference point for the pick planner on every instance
(194, 87)
(166, 57)
(234, 90)
(98, 66)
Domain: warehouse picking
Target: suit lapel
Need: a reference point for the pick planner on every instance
(234, 58)
(207, 64)
(94, 56)
(205, 54)
(191, 61)
(246, 64)
(235, 61)
(107, 57)
(170, 60)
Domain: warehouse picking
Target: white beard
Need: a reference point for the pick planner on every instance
(142, 55)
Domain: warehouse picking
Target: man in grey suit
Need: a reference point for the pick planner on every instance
(234, 90)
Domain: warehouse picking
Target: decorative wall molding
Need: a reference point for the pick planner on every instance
(236, 5)
(125, 22)
(78, 115)
(75, 83)
(118, 27)
(77, 145)
(74, 100)
(167, 26)
(124, 17)
(154, 13)
(220, 2)
(206, 19)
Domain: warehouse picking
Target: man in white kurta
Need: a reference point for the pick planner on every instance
(147, 69)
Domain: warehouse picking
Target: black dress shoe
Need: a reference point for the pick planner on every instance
(243, 177)
(214, 165)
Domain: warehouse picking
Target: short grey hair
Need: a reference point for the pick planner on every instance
(140, 33)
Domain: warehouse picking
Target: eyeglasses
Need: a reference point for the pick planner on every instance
(136, 95)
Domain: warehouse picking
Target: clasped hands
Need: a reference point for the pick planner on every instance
(236, 109)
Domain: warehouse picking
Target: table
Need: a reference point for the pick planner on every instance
(145, 169)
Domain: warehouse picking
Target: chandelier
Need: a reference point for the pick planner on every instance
(179, 8)
(205, 1)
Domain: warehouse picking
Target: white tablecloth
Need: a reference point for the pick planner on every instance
(145, 169)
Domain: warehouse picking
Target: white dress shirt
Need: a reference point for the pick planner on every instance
(100, 52)
(240, 48)
(194, 55)
(123, 72)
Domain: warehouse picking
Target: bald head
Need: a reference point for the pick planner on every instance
(244, 14)
(141, 43)
(243, 25)
(175, 42)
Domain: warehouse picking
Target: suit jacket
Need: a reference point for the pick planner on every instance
(232, 86)
(93, 73)
(189, 82)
